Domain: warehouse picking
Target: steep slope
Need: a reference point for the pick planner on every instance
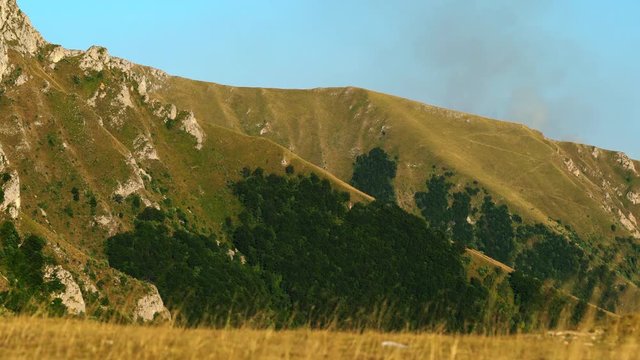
(541, 178)
(83, 149)
(87, 140)
(566, 186)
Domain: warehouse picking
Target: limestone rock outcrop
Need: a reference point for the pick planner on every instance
(17, 33)
(71, 296)
(150, 306)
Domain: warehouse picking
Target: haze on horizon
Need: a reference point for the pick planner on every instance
(570, 69)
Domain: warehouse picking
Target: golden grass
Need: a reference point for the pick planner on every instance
(30, 338)
(328, 127)
(517, 165)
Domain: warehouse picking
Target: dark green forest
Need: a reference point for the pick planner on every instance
(22, 261)
(193, 274)
(305, 258)
(472, 219)
(299, 253)
(373, 173)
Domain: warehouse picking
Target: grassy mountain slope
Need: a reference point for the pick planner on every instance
(87, 140)
(331, 126)
(566, 186)
(83, 150)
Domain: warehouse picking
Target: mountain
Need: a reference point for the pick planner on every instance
(539, 177)
(83, 120)
(88, 140)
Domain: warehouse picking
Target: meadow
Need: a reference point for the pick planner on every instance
(41, 338)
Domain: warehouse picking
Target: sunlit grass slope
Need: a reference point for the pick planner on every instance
(330, 127)
(56, 139)
(92, 139)
(30, 338)
(566, 186)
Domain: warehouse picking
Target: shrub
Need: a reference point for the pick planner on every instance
(75, 193)
(373, 173)
(152, 214)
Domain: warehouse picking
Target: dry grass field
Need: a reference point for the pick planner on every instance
(33, 338)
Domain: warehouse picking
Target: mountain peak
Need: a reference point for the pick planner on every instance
(17, 33)
(16, 30)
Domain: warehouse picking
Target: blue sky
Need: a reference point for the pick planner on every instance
(569, 68)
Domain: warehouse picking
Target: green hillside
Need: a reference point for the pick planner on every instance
(330, 127)
(88, 142)
(572, 188)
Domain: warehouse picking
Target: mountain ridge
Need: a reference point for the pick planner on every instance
(115, 132)
(343, 171)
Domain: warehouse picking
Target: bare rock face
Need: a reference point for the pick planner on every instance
(11, 189)
(190, 126)
(4, 162)
(630, 223)
(4, 61)
(107, 222)
(124, 97)
(165, 111)
(626, 162)
(17, 33)
(22, 79)
(17, 29)
(97, 58)
(633, 197)
(150, 305)
(135, 182)
(571, 166)
(144, 148)
(100, 94)
(58, 53)
(11, 203)
(71, 296)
